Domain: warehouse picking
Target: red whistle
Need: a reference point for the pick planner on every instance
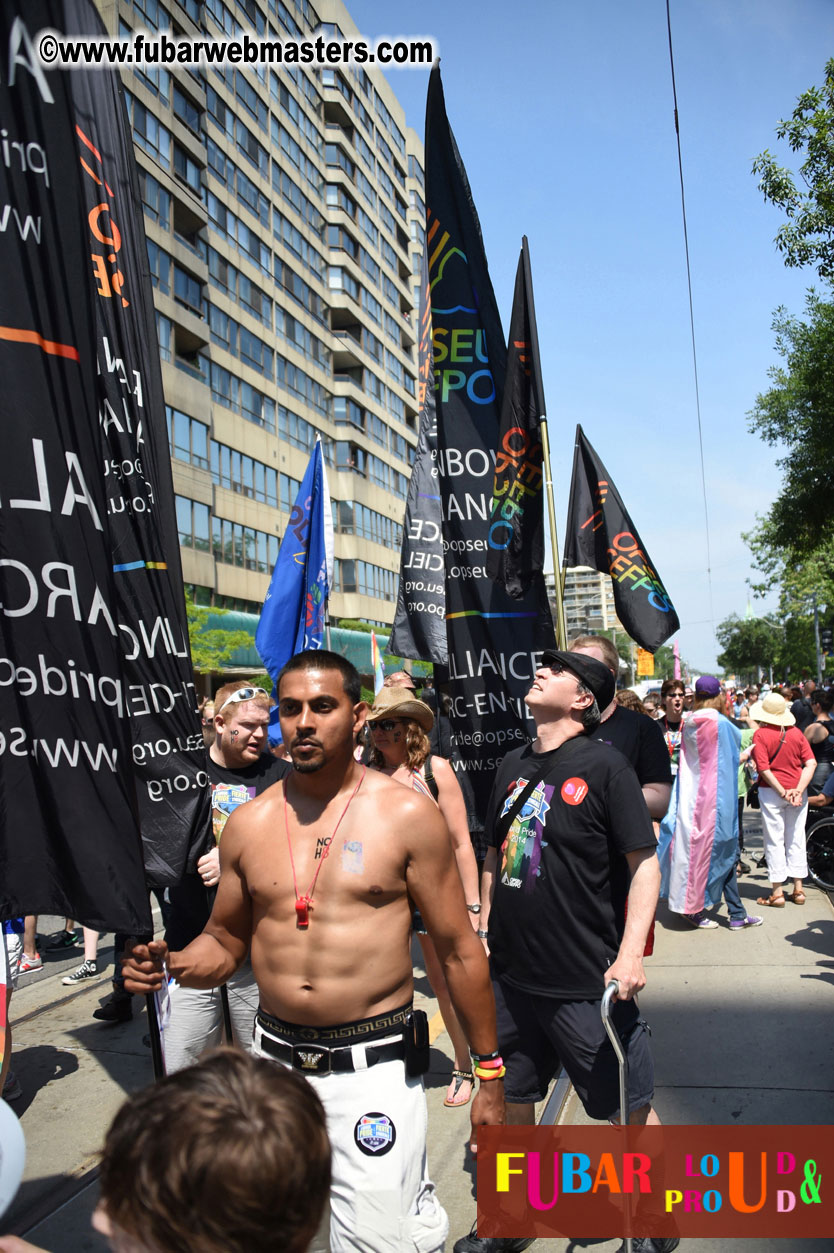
(302, 906)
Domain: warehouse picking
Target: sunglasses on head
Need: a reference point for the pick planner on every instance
(242, 693)
(385, 724)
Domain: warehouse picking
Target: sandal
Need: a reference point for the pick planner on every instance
(459, 1078)
(798, 897)
(776, 901)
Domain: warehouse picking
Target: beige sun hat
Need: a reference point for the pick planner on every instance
(397, 702)
(774, 710)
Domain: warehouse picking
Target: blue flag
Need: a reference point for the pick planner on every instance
(292, 618)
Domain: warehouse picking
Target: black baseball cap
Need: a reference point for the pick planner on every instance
(593, 673)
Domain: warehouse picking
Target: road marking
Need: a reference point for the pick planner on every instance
(436, 1026)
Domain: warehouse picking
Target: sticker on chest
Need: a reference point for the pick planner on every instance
(375, 1134)
(353, 858)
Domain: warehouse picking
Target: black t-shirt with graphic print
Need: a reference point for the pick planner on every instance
(190, 899)
(562, 878)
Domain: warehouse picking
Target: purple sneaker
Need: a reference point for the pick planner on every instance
(700, 921)
(752, 920)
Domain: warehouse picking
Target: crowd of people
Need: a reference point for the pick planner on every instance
(339, 831)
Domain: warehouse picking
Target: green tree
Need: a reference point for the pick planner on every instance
(210, 649)
(807, 237)
(748, 644)
(796, 413)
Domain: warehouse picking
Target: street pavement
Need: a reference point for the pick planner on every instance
(741, 1024)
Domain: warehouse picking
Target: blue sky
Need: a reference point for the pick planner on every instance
(563, 114)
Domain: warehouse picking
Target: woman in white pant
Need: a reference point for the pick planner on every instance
(785, 764)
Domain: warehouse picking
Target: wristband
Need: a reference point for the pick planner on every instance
(494, 1064)
(486, 1075)
(484, 1057)
(482, 935)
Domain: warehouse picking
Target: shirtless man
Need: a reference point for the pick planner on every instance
(319, 874)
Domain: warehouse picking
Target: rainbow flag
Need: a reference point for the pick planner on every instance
(376, 665)
(699, 836)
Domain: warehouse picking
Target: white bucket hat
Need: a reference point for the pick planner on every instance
(774, 710)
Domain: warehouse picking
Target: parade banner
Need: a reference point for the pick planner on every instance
(494, 642)
(99, 732)
(419, 630)
(600, 534)
(293, 614)
(516, 520)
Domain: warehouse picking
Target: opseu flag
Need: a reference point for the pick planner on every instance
(376, 663)
(419, 630)
(600, 534)
(100, 723)
(516, 521)
(292, 618)
(494, 641)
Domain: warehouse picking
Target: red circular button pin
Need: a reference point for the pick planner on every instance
(574, 791)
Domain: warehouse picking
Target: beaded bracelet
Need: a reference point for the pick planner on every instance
(486, 1075)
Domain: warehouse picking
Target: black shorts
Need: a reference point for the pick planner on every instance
(537, 1034)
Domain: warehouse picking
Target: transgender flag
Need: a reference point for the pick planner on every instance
(378, 667)
(699, 835)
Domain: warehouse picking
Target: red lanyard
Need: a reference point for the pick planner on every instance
(303, 904)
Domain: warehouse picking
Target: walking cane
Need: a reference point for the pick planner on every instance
(611, 1031)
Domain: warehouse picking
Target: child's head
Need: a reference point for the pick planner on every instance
(229, 1156)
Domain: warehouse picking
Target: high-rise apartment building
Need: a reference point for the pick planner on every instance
(284, 213)
(589, 602)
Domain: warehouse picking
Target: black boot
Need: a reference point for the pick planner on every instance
(473, 1243)
(117, 1008)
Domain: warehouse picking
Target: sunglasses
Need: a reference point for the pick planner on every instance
(385, 724)
(242, 693)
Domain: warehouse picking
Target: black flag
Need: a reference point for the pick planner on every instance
(419, 629)
(99, 733)
(600, 534)
(494, 642)
(516, 522)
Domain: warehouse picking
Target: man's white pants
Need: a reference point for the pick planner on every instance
(381, 1199)
(196, 1021)
(783, 827)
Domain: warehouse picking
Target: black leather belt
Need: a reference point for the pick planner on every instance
(313, 1059)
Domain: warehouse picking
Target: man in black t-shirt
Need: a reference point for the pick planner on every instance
(801, 709)
(565, 854)
(239, 769)
(639, 739)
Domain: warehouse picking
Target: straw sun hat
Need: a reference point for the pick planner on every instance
(397, 702)
(774, 710)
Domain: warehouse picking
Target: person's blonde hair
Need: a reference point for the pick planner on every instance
(228, 689)
(417, 746)
(605, 646)
(710, 702)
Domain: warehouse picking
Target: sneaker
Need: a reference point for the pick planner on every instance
(117, 1008)
(700, 921)
(62, 939)
(11, 1088)
(752, 920)
(28, 964)
(761, 863)
(87, 970)
(473, 1243)
(645, 1244)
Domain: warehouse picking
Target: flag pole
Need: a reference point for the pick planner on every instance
(535, 365)
(558, 573)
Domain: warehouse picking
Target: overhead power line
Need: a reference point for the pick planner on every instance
(691, 317)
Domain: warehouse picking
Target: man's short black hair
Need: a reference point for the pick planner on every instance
(323, 659)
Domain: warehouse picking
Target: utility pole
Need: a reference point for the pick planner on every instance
(817, 639)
